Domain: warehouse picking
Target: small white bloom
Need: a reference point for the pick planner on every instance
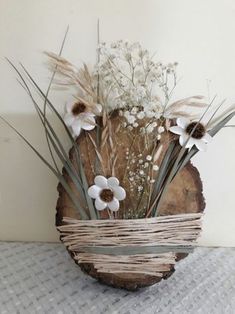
(130, 118)
(149, 129)
(149, 157)
(140, 115)
(107, 193)
(134, 110)
(161, 129)
(97, 109)
(149, 113)
(140, 91)
(80, 117)
(141, 172)
(155, 167)
(199, 136)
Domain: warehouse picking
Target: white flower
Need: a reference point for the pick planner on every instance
(149, 113)
(134, 110)
(149, 157)
(140, 115)
(161, 129)
(149, 129)
(155, 167)
(107, 193)
(199, 136)
(79, 117)
(140, 91)
(130, 118)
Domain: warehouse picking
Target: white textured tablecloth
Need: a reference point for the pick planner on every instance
(42, 278)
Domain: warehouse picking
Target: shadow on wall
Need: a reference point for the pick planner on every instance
(27, 187)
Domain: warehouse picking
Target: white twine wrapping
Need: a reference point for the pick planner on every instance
(149, 264)
(145, 246)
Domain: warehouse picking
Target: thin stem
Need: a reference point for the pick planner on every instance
(46, 97)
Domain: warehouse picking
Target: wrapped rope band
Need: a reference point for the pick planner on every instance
(135, 245)
(174, 230)
(149, 264)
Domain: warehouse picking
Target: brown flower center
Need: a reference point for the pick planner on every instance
(78, 108)
(198, 132)
(106, 195)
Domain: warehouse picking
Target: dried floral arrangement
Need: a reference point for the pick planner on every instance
(130, 201)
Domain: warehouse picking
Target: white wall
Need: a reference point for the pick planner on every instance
(199, 34)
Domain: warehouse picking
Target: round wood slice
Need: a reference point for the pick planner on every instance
(184, 195)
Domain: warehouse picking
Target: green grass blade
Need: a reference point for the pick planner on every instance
(63, 157)
(52, 107)
(221, 124)
(46, 97)
(163, 169)
(45, 121)
(90, 204)
(82, 173)
(58, 175)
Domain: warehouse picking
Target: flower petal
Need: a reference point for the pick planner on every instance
(76, 127)
(176, 130)
(88, 122)
(98, 109)
(113, 181)
(99, 204)
(88, 127)
(94, 191)
(207, 138)
(69, 107)
(69, 119)
(101, 181)
(182, 122)
(114, 205)
(183, 138)
(201, 145)
(119, 193)
(190, 143)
